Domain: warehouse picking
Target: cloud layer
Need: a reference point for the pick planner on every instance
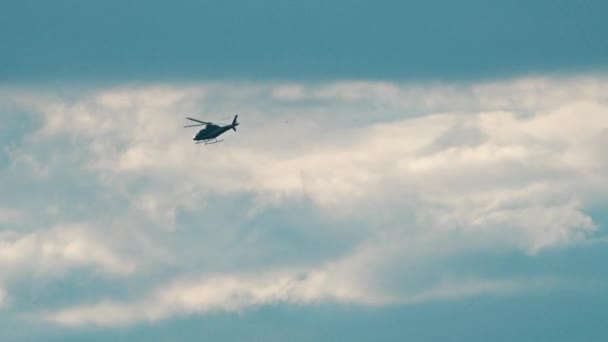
(354, 192)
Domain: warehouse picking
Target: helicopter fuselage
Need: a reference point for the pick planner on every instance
(210, 132)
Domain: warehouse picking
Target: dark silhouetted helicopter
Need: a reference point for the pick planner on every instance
(209, 134)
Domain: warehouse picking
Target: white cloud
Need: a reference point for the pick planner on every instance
(213, 293)
(288, 92)
(399, 176)
(235, 293)
(57, 249)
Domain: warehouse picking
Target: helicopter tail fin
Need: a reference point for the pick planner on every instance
(234, 123)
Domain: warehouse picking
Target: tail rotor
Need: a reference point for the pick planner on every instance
(234, 123)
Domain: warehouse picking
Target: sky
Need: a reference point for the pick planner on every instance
(403, 170)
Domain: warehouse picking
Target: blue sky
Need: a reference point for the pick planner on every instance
(403, 170)
(304, 39)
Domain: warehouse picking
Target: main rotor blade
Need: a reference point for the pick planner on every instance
(203, 122)
(195, 125)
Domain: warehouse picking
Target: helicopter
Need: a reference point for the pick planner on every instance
(209, 134)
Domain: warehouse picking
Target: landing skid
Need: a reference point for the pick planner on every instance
(209, 142)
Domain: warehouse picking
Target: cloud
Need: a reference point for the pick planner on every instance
(324, 186)
(436, 160)
(237, 293)
(216, 293)
(58, 249)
